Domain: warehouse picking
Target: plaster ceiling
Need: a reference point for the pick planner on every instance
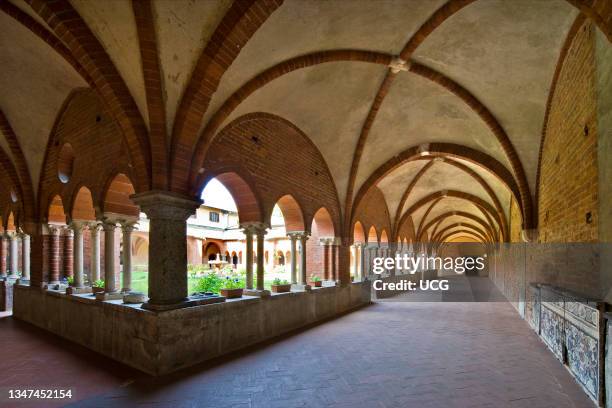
(183, 30)
(417, 111)
(35, 82)
(331, 115)
(505, 53)
(113, 24)
(299, 27)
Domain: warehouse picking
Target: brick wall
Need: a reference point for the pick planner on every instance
(373, 211)
(568, 173)
(275, 159)
(515, 221)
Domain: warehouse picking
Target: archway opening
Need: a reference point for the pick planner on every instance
(321, 250)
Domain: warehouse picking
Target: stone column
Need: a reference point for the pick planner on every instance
(355, 251)
(25, 258)
(248, 232)
(303, 278)
(326, 258)
(54, 254)
(167, 213)
(261, 232)
(77, 229)
(127, 228)
(94, 234)
(293, 239)
(362, 261)
(110, 286)
(3, 254)
(68, 263)
(14, 253)
(334, 261)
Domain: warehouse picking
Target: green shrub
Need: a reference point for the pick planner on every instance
(278, 281)
(314, 278)
(99, 283)
(211, 282)
(71, 280)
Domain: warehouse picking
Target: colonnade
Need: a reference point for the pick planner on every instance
(73, 254)
(364, 253)
(9, 256)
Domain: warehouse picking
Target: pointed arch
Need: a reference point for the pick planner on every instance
(82, 206)
(358, 233)
(292, 213)
(55, 211)
(117, 197)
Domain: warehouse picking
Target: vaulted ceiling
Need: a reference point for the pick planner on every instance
(477, 75)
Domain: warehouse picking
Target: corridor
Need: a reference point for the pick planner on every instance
(390, 354)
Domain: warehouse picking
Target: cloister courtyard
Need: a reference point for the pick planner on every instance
(305, 203)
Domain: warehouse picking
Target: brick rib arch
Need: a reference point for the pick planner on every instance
(239, 184)
(436, 237)
(292, 213)
(45, 35)
(439, 150)
(21, 167)
(420, 230)
(237, 27)
(70, 28)
(480, 203)
(304, 61)
(151, 72)
(417, 177)
(462, 231)
(485, 114)
(487, 227)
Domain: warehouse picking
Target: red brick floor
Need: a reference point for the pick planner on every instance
(391, 354)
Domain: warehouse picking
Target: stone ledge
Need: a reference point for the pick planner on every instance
(162, 342)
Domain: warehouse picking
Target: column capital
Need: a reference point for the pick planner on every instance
(54, 229)
(94, 226)
(128, 226)
(108, 225)
(298, 234)
(78, 226)
(254, 227)
(166, 204)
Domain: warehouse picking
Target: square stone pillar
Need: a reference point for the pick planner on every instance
(167, 213)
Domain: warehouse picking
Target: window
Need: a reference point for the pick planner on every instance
(213, 216)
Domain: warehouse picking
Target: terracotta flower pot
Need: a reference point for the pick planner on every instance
(316, 284)
(231, 293)
(96, 289)
(281, 288)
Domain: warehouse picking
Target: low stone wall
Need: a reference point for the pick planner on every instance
(573, 329)
(6, 295)
(163, 342)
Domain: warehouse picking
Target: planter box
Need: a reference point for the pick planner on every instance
(281, 288)
(231, 293)
(316, 284)
(96, 289)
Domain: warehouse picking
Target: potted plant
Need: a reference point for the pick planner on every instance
(281, 286)
(232, 288)
(315, 281)
(98, 286)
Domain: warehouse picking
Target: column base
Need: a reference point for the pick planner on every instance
(22, 281)
(72, 290)
(109, 296)
(328, 283)
(134, 297)
(161, 308)
(55, 286)
(299, 287)
(256, 292)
